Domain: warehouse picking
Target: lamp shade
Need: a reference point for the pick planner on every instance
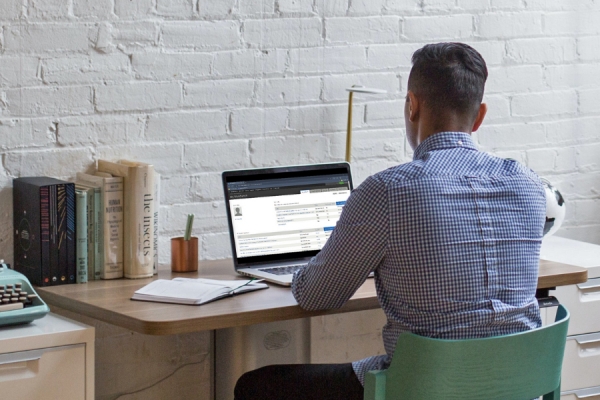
(366, 90)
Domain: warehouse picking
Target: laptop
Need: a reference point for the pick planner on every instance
(279, 218)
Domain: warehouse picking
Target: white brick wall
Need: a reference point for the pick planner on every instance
(234, 92)
(384, 29)
(199, 86)
(439, 28)
(48, 100)
(171, 66)
(200, 35)
(509, 25)
(283, 32)
(34, 37)
(138, 96)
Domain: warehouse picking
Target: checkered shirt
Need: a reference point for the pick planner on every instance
(453, 238)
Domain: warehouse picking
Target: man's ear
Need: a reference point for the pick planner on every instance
(480, 116)
(413, 106)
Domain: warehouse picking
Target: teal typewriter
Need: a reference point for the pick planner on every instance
(19, 303)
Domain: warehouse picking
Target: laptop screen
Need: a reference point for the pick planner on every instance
(284, 213)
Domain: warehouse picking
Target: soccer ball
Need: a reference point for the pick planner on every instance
(555, 209)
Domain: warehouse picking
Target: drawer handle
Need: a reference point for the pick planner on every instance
(22, 356)
(589, 338)
(585, 393)
(590, 284)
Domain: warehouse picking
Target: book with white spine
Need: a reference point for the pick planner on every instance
(92, 227)
(156, 219)
(138, 217)
(81, 235)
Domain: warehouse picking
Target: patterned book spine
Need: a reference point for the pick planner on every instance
(98, 233)
(61, 243)
(92, 195)
(113, 228)
(91, 239)
(71, 235)
(64, 268)
(54, 236)
(81, 229)
(71, 266)
(45, 233)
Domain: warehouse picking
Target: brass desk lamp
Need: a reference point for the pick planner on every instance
(352, 90)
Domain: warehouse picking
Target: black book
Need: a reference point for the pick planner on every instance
(64, 269)
(44, 226)
(53, 247)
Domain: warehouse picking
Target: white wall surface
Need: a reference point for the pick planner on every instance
(199, 86)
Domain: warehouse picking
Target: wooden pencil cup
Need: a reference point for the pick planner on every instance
(184, 254)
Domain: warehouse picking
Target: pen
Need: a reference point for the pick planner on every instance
(232, 291)
(188, 227)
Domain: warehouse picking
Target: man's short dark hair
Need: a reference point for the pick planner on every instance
(449, 77)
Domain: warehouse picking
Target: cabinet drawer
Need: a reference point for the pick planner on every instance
(583, 302)
(50, 373)
(592, 393)
(581, 362)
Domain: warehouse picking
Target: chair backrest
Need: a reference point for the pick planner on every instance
(519, 366)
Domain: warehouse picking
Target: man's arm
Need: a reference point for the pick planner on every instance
(354, 249)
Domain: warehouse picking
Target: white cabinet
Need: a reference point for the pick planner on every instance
(581, 366)
(50, 358)
(583, 302)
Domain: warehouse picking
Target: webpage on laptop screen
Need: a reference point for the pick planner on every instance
(285, 215)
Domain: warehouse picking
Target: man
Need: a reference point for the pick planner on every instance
(453, 236)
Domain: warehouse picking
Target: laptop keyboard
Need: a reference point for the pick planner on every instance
(286, 270)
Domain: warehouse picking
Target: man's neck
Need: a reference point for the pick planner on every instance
(430, 125)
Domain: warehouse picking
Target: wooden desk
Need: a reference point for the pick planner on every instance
(109, 301)
(553, 274)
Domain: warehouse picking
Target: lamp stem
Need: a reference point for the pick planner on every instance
(349, 129)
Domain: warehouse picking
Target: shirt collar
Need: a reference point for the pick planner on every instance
(444, 140)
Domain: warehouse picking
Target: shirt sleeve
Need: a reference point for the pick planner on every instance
(354, 249)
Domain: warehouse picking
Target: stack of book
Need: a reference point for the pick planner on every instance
(125, 228)
(104, 226)
(114, 219)
(44, 227)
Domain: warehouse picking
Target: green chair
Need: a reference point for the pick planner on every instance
(520, 366)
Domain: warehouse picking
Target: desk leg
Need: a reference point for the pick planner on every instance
(542, 293)
(548, 306)
(244, 348)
